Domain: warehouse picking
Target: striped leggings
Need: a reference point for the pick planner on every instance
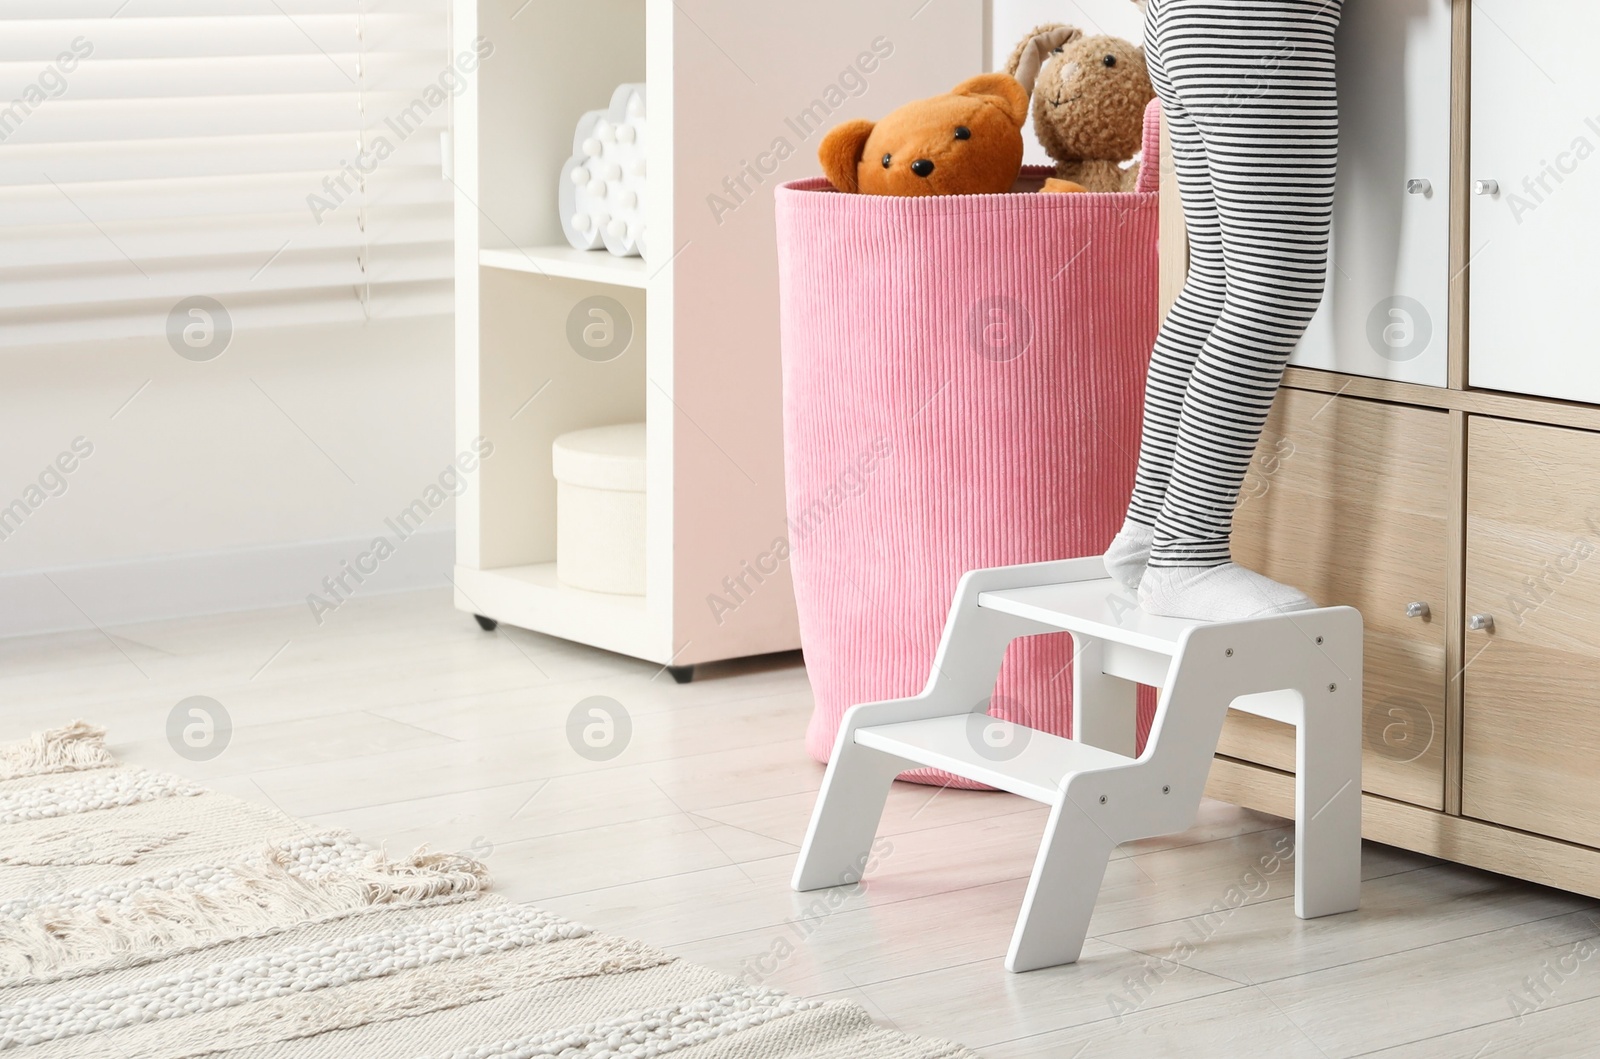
(1247, 87)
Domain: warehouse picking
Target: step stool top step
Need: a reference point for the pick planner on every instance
(1009, 756)
(1101, 608)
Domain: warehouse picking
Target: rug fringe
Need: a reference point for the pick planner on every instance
(73, 748)
(422, 876)
(315, 878)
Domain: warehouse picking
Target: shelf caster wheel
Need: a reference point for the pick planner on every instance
(486, 624)
(681, 674)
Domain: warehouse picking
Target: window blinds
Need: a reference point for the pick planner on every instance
(282, 157)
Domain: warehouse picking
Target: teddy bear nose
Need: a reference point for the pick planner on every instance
(922, 167)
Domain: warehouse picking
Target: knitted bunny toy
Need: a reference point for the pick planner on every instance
(1089, 95)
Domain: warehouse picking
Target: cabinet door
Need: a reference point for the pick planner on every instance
(1387, 302)
(1347, 500)
(1531, 712)
(1535, 134)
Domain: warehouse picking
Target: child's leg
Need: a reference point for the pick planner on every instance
(1187, 326)
(1257, 78)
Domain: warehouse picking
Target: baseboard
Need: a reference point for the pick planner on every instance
(177, 586)
(1519, 854)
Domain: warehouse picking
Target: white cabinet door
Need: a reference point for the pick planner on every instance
(1386, 310)
(1535, 134)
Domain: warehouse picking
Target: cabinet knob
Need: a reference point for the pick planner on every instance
(1419, 186)
(1417, 610)
(1484, 622)
(1486, 187)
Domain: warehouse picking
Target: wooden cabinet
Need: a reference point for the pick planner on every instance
(1347, 500)
(1531, 684)
(1387, 303)
(1535, 207)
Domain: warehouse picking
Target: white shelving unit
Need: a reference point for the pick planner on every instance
(726, 82)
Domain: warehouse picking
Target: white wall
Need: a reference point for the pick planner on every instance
(1013, 18)
(208, 490)
(202, 496)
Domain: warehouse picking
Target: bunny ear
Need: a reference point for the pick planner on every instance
(1033, 51)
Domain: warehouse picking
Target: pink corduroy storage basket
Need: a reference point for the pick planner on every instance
(963, 386)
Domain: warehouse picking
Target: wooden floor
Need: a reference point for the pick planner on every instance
(399, 719)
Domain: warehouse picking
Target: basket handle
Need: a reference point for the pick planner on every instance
(1150, 158)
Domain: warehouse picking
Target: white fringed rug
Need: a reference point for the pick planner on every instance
(143, 917)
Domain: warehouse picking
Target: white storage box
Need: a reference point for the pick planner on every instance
(600, 508)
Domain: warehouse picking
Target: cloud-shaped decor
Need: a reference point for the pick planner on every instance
(602, 184)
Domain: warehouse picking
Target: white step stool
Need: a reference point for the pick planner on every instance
(1302, 668)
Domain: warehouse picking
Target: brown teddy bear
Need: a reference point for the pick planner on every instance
(1089, 95)
(966, 142)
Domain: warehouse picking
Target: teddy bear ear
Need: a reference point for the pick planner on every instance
(840, 153)
(1003, 90)
(1033, 51)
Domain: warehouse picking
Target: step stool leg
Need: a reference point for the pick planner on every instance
(850, 803)
(1328, 800)
(845, 821)
(1105, 709)
(1062, 892)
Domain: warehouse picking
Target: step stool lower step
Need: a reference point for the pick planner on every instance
(997, 753)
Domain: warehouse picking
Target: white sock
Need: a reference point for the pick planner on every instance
(1216, 593)
(1129, 551)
